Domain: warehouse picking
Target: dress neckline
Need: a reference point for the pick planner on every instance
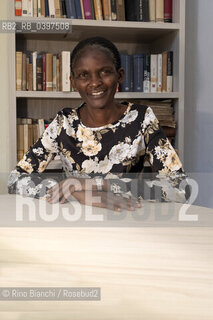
(109, 125)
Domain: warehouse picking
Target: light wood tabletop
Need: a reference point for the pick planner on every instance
(150, 272)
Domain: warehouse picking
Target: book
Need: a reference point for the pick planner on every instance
(47, 8)
(152, 9)
(145, 10)
(169, 77)
(82, 9)
(164, 71)
(49, 72)
(44, 72)
(64, 63)
(30, 8)
(159, 10)
(70, 9)
(42, 8)
(26, 143)
(113, 10)
(120, 10)
(78, 9)
(51, 4)
(167, 10)
(106, 9)
(20, 141)
(126, 65)
(19, 70)
(138, 72)
(18, 7)
(34, 57)
(92, 9)
(35, 8)
(146, 73)
(24, 71)
(54, 72)
(39, 4)
(63, 8)
(39, 72)
(24, 8)
(57, 9)
(41, 127)
(153, 72)
(29, 73)
(159, 76)
(57, 74)
(98, 9)
(132, 10)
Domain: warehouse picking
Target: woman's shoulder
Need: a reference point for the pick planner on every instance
(140, 108)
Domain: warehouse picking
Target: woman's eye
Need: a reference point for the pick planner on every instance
(83, 75)
(106, 72)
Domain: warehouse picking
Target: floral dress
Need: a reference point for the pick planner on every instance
(116, 151)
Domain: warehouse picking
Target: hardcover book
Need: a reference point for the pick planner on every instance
(18, 7)
(138, 72)
(167, 10)
(159, 10)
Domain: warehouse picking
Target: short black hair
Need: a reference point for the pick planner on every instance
(99, 43)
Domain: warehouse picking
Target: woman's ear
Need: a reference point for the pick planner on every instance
(121, 75)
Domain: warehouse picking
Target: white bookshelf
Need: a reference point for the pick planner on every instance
(130, 37)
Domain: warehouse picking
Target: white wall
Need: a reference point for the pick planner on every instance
(199, 96)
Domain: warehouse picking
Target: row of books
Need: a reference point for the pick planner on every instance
(51, 72)
(28, 132)
(148, 72)
(43, 71)
(121, 10)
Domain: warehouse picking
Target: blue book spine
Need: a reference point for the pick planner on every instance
(138, 72)
(78, 9)
(126, 65)
(47, 8)
(70, 8)
(146, 73)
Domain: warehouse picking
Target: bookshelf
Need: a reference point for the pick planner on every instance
(129, 37)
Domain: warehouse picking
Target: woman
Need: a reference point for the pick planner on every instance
(101, 138)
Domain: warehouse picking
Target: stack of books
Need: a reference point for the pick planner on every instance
(120, 10)
(147, 72)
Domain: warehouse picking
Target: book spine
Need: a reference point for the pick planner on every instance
(87, 9)
(51, 8)
(152, 10)
(145, 10)
(54, 72)
(42, 10)
(49, 72)
(57, 74)
(120, 10)
(35, 8)
(65, 68)
(92, 9)
(20, 141)
(39, 73)
(138, 72)
(154, 70)
(140, 10)
(25, 138)
(39, 7)
(159, 10)
(63, 8)
(146, 78)
(106, 9)
(167, 10)
(113, 10)
(126, 65)
(78, 9)
(159, 77)
(73, 11)
(44, 71)
(57, 9)
(24, 8)
(164, 71)
(98, 10)
(30, 8)
(169, 77)
(69, 9)
(82, 9)
(46, 8)
(29, 73)
(24, 72)
(19, 70)
(18, 7)
(131, 10)
(34, 57)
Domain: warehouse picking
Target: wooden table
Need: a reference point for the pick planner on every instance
(150, 272)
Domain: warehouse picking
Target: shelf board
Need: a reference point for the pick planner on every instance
(75, 95)
(118, 31)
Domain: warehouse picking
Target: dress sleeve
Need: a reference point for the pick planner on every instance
(26, 178)
(163, 160)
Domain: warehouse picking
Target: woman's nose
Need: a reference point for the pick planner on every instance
(95, 79)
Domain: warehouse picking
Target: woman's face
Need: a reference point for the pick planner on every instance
(96, 78)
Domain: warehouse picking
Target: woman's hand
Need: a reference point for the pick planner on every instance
(107, 200)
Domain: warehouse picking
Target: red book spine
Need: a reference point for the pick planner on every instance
(44, 72)
(167, 10)
(18, 7)
(87, 9)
